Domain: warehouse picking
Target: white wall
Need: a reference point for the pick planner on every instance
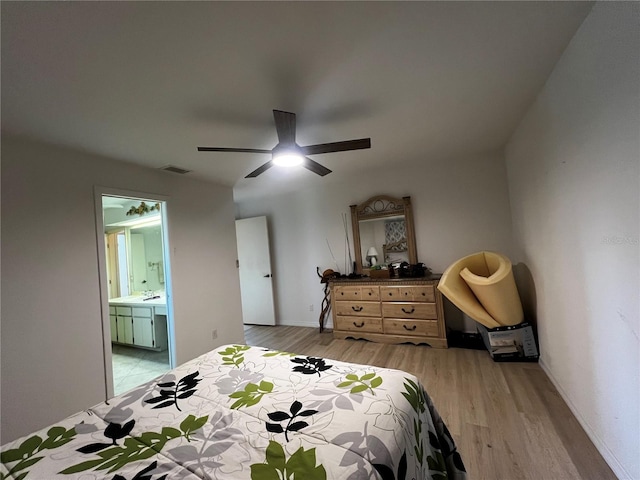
(52, 361)
(460, 206)
(573, 167)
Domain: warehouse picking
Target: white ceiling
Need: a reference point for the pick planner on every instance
(147, 82)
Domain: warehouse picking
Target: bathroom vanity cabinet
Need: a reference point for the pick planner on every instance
(139, 324)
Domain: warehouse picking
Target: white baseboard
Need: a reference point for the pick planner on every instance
(606, 453)
(286, 323)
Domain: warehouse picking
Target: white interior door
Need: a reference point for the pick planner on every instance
(254, 260)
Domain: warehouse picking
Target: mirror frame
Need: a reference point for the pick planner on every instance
(382, 206)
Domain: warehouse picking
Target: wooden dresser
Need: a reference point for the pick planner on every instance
(394, 310)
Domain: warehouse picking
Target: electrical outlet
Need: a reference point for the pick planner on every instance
(214, 334)
(311, 307)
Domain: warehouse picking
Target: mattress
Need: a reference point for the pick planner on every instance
(242, 412)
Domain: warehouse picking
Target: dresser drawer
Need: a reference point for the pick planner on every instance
(359, 324)
(359, 309)
(371, 293)
(409, 310)
(422, 328)
(418, 293)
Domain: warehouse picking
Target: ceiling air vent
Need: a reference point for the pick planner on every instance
(174, 169)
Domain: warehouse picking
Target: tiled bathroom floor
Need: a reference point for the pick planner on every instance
(134, 366)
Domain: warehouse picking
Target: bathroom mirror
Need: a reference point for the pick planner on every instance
(147, 272)
(383, 232)
(134, 247)
(135, 257)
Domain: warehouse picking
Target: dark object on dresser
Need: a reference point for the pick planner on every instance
(416, 270)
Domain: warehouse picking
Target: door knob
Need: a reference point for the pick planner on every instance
(268, 275)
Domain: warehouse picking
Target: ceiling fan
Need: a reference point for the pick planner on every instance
(288, 153)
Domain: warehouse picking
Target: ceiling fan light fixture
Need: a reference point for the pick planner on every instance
(287, 159)
(287, 153)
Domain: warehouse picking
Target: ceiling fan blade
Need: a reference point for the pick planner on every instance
(222, 149)
(315, 167)
(337, 146)
(285, 126)
(260, 169)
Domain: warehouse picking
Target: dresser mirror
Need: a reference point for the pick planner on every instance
(383, 232)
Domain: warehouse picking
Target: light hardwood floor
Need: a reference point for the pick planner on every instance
(508, 420)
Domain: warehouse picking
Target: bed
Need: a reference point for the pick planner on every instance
(242, 412)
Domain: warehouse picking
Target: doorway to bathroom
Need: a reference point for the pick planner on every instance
(135, 289)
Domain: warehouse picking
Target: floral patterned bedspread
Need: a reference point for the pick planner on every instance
(241, 412)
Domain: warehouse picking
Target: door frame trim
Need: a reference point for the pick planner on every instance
(99, 191)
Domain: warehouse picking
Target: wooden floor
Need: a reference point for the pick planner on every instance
(508, 420)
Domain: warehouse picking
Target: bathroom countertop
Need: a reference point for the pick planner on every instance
(139, 300)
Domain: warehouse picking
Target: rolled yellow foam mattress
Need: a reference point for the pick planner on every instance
(495, 288)
(483, 287)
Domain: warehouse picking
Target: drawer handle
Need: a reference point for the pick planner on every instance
(356, 308)
(358, 326)
(413, 309)
(410, 329)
